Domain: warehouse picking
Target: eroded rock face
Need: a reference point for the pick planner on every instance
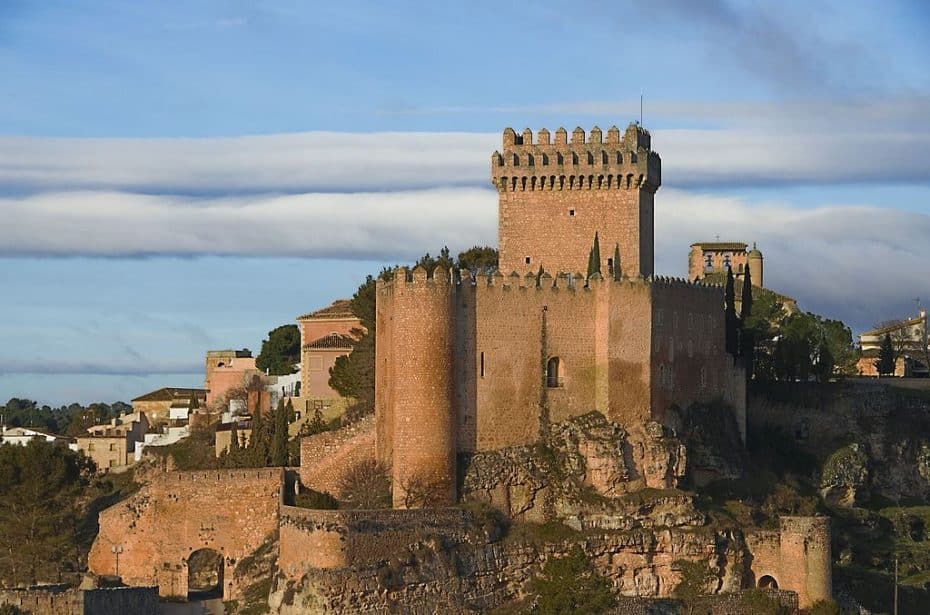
(586, 463)
(845, 476)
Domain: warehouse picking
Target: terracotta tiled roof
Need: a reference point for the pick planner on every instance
(172, 393)
(340, 308)
(895, 326)
(333, 341)
(721, 245)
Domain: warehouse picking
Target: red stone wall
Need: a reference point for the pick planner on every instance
(230, 511)
(549, 210)
(420, 380)
(325, 458)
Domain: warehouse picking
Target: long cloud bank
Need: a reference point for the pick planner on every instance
(745, 144)
(853, 262)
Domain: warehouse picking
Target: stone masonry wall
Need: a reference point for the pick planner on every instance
(229, 511)
(326, 457)
(797, 557)
(334, 539)
(111, 601)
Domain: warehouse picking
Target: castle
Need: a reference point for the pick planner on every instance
(469, 363)
(486, 367)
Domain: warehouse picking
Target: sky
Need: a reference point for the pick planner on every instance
(183, 176)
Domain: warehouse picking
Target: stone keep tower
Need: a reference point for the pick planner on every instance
(554, 196)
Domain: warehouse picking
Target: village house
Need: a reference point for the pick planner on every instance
(909, 338)
(157, 404)
(113, 445)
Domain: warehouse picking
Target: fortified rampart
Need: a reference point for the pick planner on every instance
(566, 191)
(231, 512)
(533, 350)
(56, 600)
(795, 557)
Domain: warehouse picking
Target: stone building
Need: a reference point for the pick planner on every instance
(710, 260)
(112, 445)
(157, 404)
(909, 337)
(475, 363)
(226, 370)
(325, 335)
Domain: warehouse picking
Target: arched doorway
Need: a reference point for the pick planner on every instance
(768, 582)
(204, 575)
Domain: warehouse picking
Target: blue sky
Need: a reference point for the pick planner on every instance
(179, 176)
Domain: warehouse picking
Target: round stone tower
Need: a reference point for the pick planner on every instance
(806, 563)
(423, 465)
(755, 266)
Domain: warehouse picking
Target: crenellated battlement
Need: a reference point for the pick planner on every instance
(586, 162)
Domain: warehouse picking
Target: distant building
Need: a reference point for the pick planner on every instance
(325, 335)
(113, 445)
(225, 432)
(709, 258)
(24, 435)
(157, 404)
(227, 370)
(910, 340)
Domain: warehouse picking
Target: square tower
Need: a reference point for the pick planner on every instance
(555, 195)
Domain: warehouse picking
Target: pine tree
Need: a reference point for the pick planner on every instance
(618, 271)
(730, 320)
(886, 358)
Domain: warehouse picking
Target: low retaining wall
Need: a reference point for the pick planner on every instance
(57, 600)
(331, 539)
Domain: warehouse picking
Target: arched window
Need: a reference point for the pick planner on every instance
(768, 582)
(554, 373)
(516, 160)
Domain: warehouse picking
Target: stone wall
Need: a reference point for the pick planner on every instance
(334, 539)
(326, 457)
(555, 195)
(62, 601)
(229, 511)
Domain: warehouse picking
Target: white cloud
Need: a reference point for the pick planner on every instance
(853, 262)
(749, 143)
(359, 225)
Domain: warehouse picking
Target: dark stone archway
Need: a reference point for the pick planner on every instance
(205, 575)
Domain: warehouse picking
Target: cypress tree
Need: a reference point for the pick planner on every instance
(747, 333)
(279, 436)
(258, 448)
(595, 266)
(886, 357)
(731, 322)
(618, 271)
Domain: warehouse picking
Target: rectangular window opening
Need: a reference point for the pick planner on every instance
(528, 259)
(482, 365)
(571, 212)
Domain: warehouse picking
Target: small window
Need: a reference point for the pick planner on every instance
(482, 365)
(571, 213)
(610, 265)
(112, 446)
(528, 260)
(554, 378)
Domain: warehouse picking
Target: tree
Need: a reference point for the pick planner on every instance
(365, 486)
(281, 351)
(696, 580)
(824, 366)
(747, 337)
(481, 259)
(617, 271)
(887, 358)
(444, 262)
(594, 257)
(571, 586)
(39, 487)
(731, 322)
(279, 435)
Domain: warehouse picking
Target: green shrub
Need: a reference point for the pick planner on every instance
(319, 500)
(824, 607)
(571, 586)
